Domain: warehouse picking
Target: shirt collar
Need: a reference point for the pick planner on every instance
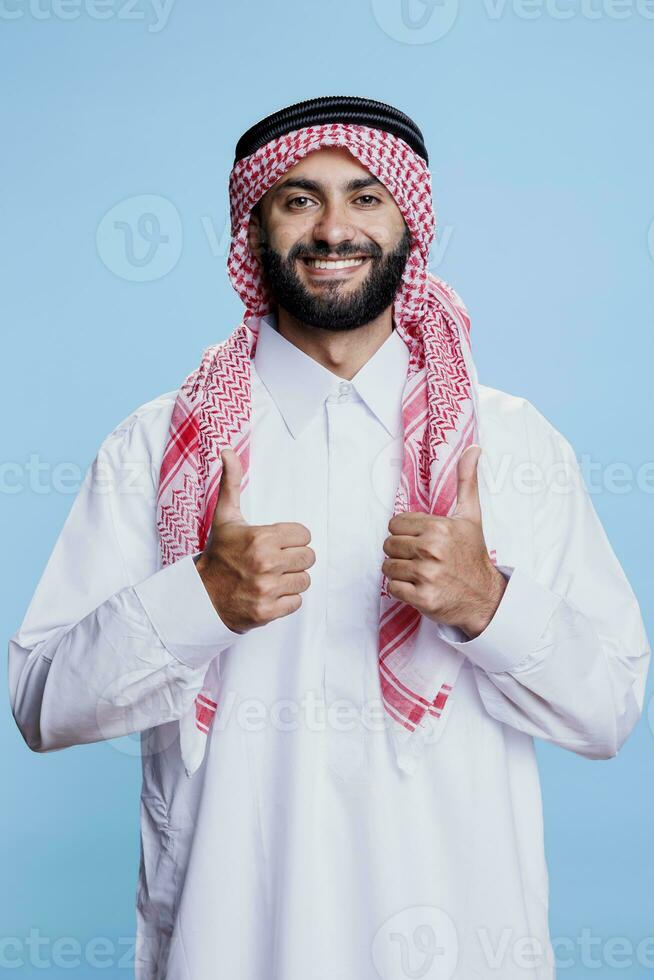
(299, 385)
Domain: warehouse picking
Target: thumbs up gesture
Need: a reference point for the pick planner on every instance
(440, 565)
(253, 573)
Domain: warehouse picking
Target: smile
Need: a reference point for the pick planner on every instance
(334, 263)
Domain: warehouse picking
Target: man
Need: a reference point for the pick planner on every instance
(353, 586)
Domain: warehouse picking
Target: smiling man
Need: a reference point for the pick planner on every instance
(339, 610)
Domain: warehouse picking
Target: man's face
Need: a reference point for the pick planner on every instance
(331, 240)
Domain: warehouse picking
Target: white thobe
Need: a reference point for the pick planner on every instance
(299, 850)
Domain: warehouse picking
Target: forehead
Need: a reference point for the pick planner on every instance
(331, 164)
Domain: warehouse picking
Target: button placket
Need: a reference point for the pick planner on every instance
(345, 653)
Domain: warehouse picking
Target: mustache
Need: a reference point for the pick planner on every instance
(344, 251)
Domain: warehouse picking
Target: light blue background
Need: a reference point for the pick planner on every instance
(540, 135)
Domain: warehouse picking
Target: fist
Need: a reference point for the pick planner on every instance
(440, 565)
(253, 573)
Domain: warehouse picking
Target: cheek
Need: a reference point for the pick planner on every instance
(387, 234)
(283, 235)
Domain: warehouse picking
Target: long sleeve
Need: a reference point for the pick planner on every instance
(565, 657)
(112, 643)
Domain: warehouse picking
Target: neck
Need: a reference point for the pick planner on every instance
(343, 352)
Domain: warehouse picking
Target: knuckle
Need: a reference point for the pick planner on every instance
(260, 587)
(260, 556)
(260, 610)
(261, 563)
(428, 546)
(423, 594)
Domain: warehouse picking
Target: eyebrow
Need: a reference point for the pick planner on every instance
(302, 183)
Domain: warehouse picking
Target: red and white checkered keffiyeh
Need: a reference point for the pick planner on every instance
(213, 412)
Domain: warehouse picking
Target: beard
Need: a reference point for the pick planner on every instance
(329, 309)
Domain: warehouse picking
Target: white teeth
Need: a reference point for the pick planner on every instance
(334, 264)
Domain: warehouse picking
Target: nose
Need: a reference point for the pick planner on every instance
(332, 225)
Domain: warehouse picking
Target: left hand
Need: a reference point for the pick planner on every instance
(440, 565)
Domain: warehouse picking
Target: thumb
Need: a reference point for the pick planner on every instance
(228, 503)
(467, 493)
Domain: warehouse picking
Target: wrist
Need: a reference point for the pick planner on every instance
(203, 565)
(482, 616)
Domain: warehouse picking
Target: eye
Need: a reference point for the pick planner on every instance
(299, 203)
(368, 200)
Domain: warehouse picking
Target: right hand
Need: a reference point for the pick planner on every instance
(253, 573)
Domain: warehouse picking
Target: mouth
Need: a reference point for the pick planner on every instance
(336, 268)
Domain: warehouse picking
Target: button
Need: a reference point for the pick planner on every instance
(345, 390)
